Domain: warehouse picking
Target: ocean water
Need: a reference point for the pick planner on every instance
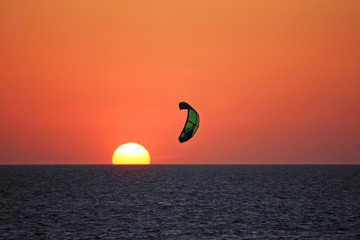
(180, 202)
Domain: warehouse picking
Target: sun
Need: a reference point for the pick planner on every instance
(131, 153)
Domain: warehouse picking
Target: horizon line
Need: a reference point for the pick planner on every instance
(159, 164)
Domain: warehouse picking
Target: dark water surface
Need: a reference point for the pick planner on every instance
(180, 202)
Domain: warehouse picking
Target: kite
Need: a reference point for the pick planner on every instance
(191, 124)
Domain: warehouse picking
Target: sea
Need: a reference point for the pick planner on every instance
(180, 202)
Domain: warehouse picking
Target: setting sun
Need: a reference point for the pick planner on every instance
(131, 153)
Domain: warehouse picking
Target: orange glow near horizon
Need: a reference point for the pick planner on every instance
(131, 153)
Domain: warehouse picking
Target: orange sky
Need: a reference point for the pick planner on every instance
(273, 81)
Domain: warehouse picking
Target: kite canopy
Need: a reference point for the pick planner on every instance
(191, 124)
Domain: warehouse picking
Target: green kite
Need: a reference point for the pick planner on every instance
(191, 124)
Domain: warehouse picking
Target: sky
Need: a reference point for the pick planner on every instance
(274, 82)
